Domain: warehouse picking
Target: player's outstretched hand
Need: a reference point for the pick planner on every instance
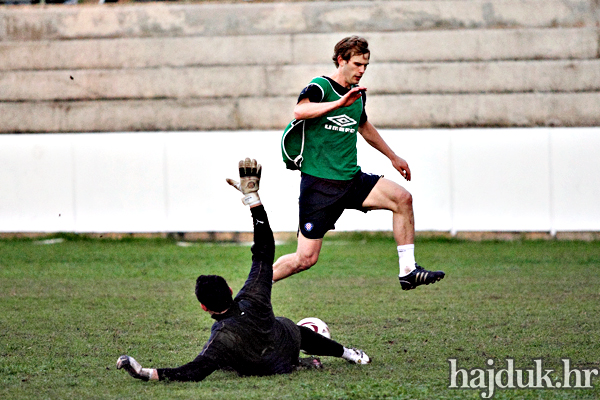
(250, 172)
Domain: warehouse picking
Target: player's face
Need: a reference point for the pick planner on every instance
(354, 69)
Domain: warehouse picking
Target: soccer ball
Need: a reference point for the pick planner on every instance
(316, 325)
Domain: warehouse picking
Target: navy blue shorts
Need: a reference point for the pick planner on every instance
(322, 201)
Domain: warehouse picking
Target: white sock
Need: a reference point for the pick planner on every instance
(406, 254)
(147, 372)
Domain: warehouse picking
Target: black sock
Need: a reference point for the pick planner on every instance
(318, 345)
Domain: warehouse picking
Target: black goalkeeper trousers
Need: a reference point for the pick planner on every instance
(264, 250)
(318, 345)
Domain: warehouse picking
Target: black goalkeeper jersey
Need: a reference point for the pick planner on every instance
(248, 338)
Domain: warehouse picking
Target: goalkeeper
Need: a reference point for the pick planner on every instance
(247, 337)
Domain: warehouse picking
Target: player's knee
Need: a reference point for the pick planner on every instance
(402, 199)
(407, 198)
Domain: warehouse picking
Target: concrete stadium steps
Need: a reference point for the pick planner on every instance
(491, 110)
(146, 52)
(488, 77)
(159, 20)
(460, 45)
(158, 66)
(118, 115)
(216, 82)
(386, 111)
(438, 45)
(146, 83)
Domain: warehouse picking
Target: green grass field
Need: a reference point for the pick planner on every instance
(68, 310)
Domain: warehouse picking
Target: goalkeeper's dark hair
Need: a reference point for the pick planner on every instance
(213, 291)
(349, 47)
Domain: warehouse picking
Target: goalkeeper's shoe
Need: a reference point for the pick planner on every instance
(420, 276)
(357, 356)
(250, 172)
(134, 368)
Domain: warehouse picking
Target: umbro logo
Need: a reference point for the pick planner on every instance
(342, 120)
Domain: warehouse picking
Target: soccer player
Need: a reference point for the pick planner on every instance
(247, 337)
(321, 143)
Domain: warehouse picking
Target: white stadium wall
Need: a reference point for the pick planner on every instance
(541, 179)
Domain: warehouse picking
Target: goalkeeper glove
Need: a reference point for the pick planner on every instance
(134, 368)
(250, 172)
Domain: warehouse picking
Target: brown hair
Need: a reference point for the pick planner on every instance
(349, 47)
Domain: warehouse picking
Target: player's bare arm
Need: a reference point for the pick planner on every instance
(372, 136)
(305, 109)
